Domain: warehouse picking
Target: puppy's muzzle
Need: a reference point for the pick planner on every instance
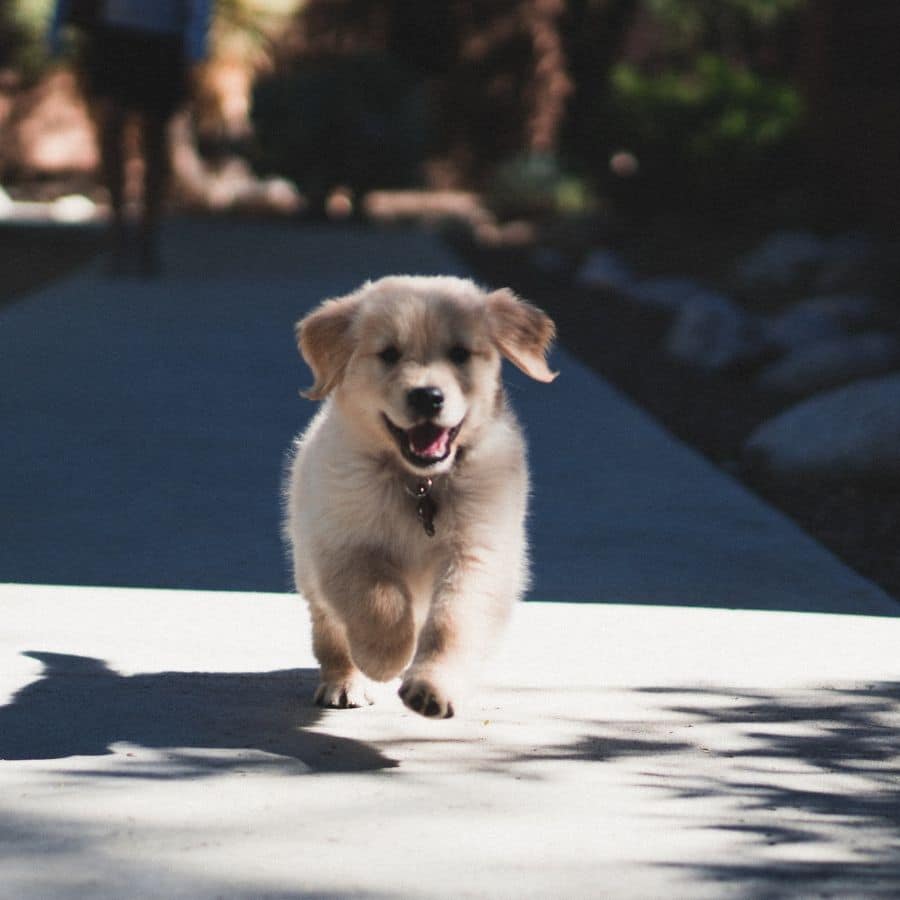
(425, 402)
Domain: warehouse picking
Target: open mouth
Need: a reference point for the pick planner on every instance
(425, 444)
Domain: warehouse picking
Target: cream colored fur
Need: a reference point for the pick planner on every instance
(385, 598)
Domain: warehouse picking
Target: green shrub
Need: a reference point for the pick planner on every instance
(23, 29)
(715, 126)
(536, 185)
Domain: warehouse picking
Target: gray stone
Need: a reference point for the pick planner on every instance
(550, 260)
(712, 332)
(667, 293)
(604, 269)
(830, 363)
(850, 431)
(783, 260)
(819, 318)
(848, 263)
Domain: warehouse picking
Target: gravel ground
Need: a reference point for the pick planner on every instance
(859, 522)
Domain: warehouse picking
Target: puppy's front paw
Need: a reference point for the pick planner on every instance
(344, 693)
(382, 653)
(425, 696)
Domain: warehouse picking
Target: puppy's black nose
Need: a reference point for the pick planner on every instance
(425, 401)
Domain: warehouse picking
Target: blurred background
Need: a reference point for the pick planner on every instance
(704, 193)
(752, 109)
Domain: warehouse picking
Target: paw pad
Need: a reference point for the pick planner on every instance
(425, 700)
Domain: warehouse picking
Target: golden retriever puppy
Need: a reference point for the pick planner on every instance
(406, 495)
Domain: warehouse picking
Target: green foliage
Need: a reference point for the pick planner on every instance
(715, 123)
(536, 185)
(247, 28)
(715, 110)
(23, 24)
(691, 23)
(32, 15)
(759, 12)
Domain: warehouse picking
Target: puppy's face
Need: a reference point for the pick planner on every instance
(414, 362)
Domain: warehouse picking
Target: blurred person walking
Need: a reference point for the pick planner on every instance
(135, 58)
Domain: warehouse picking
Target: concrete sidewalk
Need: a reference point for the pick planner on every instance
(722, 724)
(163, 744)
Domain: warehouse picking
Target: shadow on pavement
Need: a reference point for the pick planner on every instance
(819, 770)
(802, 786)
(30, 846)
(80, 707)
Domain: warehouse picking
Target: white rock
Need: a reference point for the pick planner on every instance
(604, 269)
(819, 318)
(853, 430)
(830, 363)
(712, 332)
(666, 293)
(73, 208)
(782, 260)
(282, 195)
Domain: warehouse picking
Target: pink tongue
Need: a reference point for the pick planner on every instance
(428, 440)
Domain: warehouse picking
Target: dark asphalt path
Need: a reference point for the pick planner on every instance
(145, 424)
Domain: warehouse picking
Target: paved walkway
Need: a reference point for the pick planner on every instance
(162, 745)
(145, 425)
(722, 724)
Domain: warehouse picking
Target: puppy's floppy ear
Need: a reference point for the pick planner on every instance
(522, 333)
(325, 341)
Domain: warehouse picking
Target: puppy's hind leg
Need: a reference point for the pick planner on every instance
(342, 685)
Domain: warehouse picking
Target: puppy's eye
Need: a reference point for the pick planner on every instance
(390, 355)
(459, 354)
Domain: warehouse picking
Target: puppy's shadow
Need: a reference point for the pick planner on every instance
(81, 707)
